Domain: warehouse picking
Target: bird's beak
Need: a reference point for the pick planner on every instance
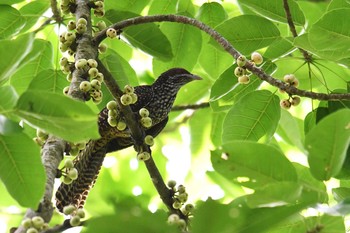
(196, 77)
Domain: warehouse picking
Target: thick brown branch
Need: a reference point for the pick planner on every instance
(226, 45)
(306, 55)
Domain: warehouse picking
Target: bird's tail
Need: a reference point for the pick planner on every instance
(88, 163)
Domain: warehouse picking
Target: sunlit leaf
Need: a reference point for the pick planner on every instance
(49, 80)
(57, 114)
(11, 21)
(21, 169)
(212, 14)
(252, 117)
(32, 11)
(8, 100)
(327, 144)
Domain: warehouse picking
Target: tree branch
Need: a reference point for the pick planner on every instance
(227, 46)
(307, 56)
(190, 106)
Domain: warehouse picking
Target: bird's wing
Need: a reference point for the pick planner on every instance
(144, 97)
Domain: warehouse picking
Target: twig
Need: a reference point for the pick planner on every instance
(307, 56)
(138, 135)
(226, 45)
(190, 106)
(60, 228)
(55, 11)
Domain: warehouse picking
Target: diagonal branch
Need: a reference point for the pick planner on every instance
(307, 56)
(227, 46)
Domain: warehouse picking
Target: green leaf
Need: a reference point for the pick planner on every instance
(216, 127)
(32, 11)
(49, 80)
(327, 144)
(19, 48)
(143, 36)
(290, 131)
(8, 127)
(253, 165)
(11, 21)
(141, 221)
(341, 193)
(59, 115)
(275, 194)
(252, 117)
(199, 126)
(186, 43)
(39, 59)
(21, 169)
(278, 48)
(237, 217)
(120, 69)
(212, 14)
(330, 37)
(214, 61)
(274, 9)
(338, 4)
(8, 100)
(126, 5)
(185, 7)
(248, 33)
(162, 7)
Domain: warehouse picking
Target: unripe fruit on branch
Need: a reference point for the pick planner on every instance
(73, 173)
(239, 71)
(69, 209)
(70, 37)
(121, 125)
(68, 163)
(241, 61)
(128, 89)
(92, 63)
(63, 61)
(26, 223)
(146, 122)
(143, 156)
(67, 180)
(181, 188)
(112, 113)
(75, 221)
(102, 48)
(112, 105)
(144, 112)
(81, 213)
(82, 21)
(81, 28)
(93, 72)
(111, 33)
(99, 77)
(71, 25)
(126, 99)
(173, 219)
(38, 222)
(66, 90)
(257, 58)
(112, 121)
(32, 230)
(171, 183)
(244, 79)
(149, 140)
(285, 104)
(81, 63)
(177, 205)
(101, 25)
(134, 98)
(295, 101)
(85, 86)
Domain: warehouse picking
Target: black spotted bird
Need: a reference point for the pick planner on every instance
(157, 98)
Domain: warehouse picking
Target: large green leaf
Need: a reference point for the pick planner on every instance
(162, 7)
(212, 14)
(275, 194)
(126, 5)
(49, 80)
(252, 164)
(10, 61)
(121, 222)
(11, 21)
(32, 11)
(147, 37)
(274, 9)
(39, 59)
(186, 42)
(255, 115)
(327, 36)
(327, 144)
(237, 217)
(21, 169)
(59, 115)
(248, 33)
(214, 61)
(120, 69)
(8, 100)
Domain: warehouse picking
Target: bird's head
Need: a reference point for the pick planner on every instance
(176, 77)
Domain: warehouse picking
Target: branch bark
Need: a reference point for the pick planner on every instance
(227, 46)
